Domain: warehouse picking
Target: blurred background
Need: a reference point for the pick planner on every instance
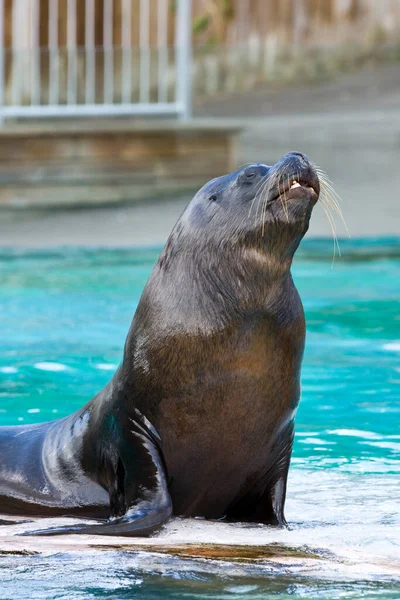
(115, 111)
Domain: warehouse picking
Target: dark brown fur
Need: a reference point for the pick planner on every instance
(211, 366)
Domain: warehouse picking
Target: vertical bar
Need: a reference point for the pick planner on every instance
(162, 43)
(35, 52)
(2, 44)
(183, 44)
(144, 51)
(90, 53)
(108, 52)
(15, 70)
(53, 52)
(126, 26)
(71, 52)
(21, 24)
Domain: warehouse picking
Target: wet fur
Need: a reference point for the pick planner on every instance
(199, 418)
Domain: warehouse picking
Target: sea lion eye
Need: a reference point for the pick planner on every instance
(250, 174)
(213, 198)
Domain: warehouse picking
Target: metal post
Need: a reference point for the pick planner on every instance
(72, 78)
(126, 36)
(144, 77)
(19, 53)
(53, 53)
(35, 52)
(184, 58)
(90, 53)
(108, 51)
(162, 43)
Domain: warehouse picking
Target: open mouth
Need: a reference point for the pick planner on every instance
(296, 188)
(303, 185)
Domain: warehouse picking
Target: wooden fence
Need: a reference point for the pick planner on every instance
(325, 22)
(236, 43)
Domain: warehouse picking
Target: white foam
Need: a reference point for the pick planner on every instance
(242, 589)
(50, 366)
(389, 445)
(345, 514)
(106, 366)
(8, 370)
(393, 346)
(368, 435)
(316, 441)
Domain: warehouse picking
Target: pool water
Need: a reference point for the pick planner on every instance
(64, 315)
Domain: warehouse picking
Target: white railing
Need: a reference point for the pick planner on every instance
(62, 58)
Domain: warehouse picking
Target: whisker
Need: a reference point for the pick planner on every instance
(333, 228)
(335, 200)
(331, 201)
(324, 177)
(331, 196)
(261, 191)
(335, 197)
(333, 233)
(247, 164)
(284, 199)
(259, 187)
(264, 210)
(326, 202)
(272, 181)
(264, 207)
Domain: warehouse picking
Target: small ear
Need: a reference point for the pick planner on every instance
(213, 198)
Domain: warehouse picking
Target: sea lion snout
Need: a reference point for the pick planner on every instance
(295, 171)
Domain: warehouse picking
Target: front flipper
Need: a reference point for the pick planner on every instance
(137, 524)
(265, 500)
(131, 467)
(5, 522)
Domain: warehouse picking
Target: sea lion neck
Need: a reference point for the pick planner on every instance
(219, 288)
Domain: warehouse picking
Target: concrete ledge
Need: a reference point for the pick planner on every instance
(105, 161)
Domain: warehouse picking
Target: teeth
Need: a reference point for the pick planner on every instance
(294, 185)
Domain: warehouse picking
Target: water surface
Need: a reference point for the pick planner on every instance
(64, 315)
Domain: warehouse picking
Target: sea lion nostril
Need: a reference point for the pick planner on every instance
(294, 162)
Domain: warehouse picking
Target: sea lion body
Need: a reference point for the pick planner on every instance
(199, 418)
(223, 399)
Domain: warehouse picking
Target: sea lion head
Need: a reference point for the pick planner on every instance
(267, 208)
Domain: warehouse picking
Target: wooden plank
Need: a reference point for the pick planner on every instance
(68, 167)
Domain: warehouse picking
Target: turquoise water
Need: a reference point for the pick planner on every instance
(64, 315)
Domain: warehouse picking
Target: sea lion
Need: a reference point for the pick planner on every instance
(199, 418)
